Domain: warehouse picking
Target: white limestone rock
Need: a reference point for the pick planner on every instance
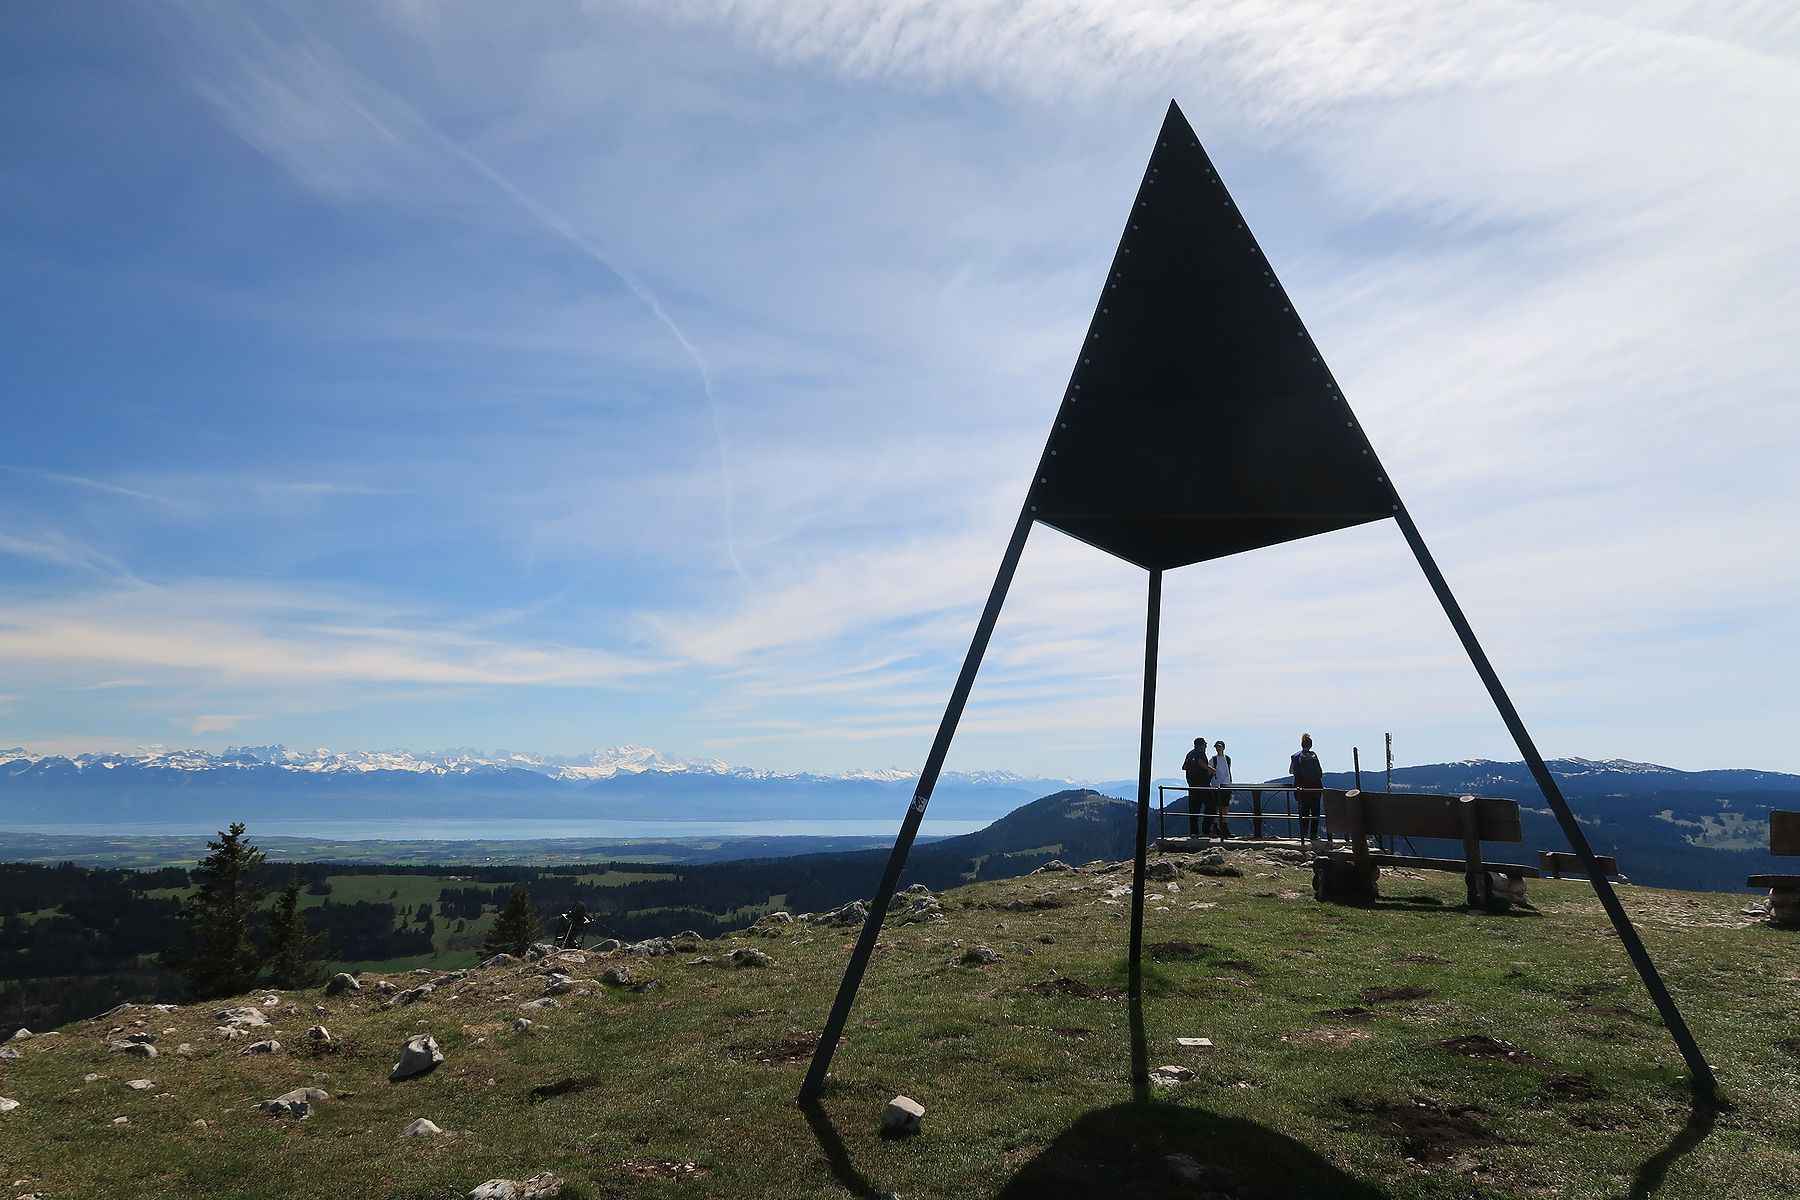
(423, 1127)
(419, 1056)
(903, 1115)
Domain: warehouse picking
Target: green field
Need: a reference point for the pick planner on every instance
(1399, 1049)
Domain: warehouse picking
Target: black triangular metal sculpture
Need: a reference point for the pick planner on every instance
(1194, 335)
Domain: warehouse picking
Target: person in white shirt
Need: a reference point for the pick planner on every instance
(1221, 765)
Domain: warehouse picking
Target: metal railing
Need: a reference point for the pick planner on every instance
(1258, 813)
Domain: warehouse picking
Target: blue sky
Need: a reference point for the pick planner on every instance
(411, 375)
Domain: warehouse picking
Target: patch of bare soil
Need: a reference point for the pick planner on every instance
(1481, 1046)
(1028, 903)
(664, 1168)
(1790, 1046)
(1382, 995)
(797, 1047)
(1612, 1010)
(564, 1087)
(1071, 1031)
(1232, 964)
(1588, 991)
(1431, 1133)
(1064, 986)
(1570, 1085)
(1333, 1035)
(1353, 1013)
(1426, 960)
(1175, 951)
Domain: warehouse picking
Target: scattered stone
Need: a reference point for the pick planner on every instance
(618, 975)
(342, 982)
(646, 987)
(750, 956)
(121, 1120)
(140, 1085)
(1212, 856)
(903, 1116)
(7, 1105)
(245, 1017)
(419, 1056)
(853, 913)
(687, 939)
(21, 1035)
(979, 956)
(705, 960)
(92, 1077)
(411, 995)
(423, 1127)
(499, 960)
(142, 1049)
(539, 950)
(1052, 867)
(781, 917)
(199, 1123)
(538, 1187)
(1161, 870)
(608, 946)
(386, 988)
(922, 908)
(541, 1004)
(266, 1046)
(297, 1104)
(1170, 1075)
(319, 1035)
(184, 1050)
(1194, 1043)
(7, 1052)
(522, 1025)
(651, 947)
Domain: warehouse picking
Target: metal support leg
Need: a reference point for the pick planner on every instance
(1152, 621)
(1705, 1085)
(1140, 1070)
(915, 813)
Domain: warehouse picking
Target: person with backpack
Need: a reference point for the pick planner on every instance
(1221, 766)
(1199, 776)
(1309, 788)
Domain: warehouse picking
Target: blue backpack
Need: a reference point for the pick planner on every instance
(1307, 771)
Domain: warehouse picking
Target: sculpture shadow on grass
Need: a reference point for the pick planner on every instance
(1129, 1150)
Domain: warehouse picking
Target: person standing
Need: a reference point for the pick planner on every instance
(1309, 788)
(1221, 766)
(1199, 780)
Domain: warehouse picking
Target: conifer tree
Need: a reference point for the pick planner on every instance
(295, 952)
(218, 958)
(515, 928)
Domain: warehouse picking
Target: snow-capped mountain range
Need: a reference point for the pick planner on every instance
(613, 762)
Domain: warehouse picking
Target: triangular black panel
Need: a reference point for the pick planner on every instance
(1200, 420)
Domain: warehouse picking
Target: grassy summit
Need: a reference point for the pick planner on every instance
(1402, 1049)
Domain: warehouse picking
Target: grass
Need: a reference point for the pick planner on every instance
(1348, 1061)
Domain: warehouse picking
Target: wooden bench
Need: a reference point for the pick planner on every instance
(1784, 890)
(1358, 815)
(1557, 863)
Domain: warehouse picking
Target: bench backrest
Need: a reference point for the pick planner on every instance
(1411, 814)
(1784, 832)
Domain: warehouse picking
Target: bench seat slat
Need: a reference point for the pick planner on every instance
(1383, 859)
(1773, 881)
